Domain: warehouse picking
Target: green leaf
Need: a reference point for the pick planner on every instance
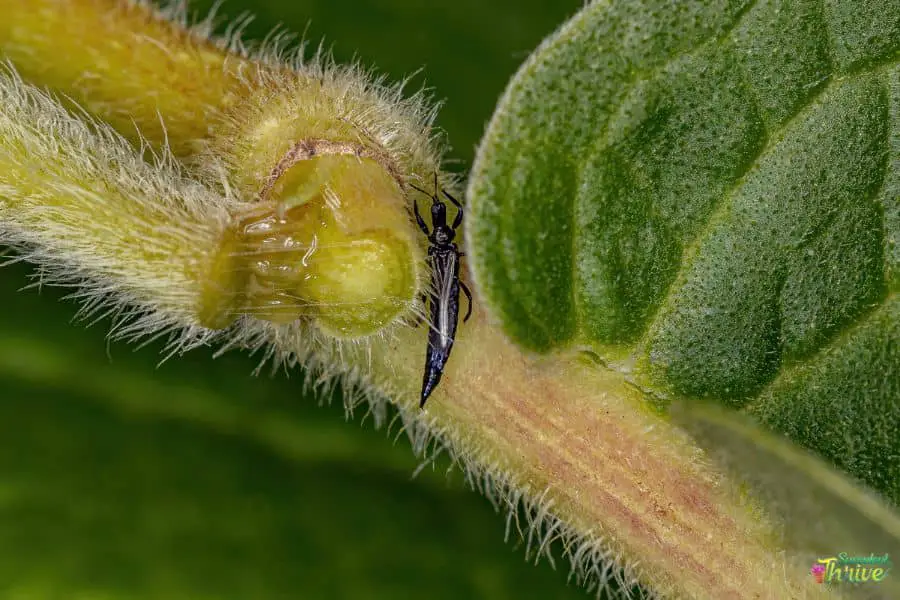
(707, 195)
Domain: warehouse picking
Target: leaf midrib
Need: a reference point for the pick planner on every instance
(603, 142)
(722, 207)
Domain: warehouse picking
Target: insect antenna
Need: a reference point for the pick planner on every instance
(433, 195)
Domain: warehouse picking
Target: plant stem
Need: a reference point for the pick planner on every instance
(285, 143)
(127, 71)
(581, 439)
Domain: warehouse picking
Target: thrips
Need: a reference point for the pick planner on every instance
(443, 257)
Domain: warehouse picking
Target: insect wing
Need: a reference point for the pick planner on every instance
(446, 297)
(444, 317)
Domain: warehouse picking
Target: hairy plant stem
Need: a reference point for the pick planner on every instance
(286, 143)
(581, 440)
(617, 481)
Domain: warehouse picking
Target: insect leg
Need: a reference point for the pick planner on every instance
(468, 294)
(459, 209)
(419, 219)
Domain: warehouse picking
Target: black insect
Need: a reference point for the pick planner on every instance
(443, 257)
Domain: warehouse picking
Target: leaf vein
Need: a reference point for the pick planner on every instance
(718, 213)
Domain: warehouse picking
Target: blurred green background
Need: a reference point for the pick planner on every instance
(122, 478)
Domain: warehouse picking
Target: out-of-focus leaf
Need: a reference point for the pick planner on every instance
(197, 480)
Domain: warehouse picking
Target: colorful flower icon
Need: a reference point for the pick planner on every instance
(818, 571)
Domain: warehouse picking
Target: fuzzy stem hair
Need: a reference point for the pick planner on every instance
(155, 234)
